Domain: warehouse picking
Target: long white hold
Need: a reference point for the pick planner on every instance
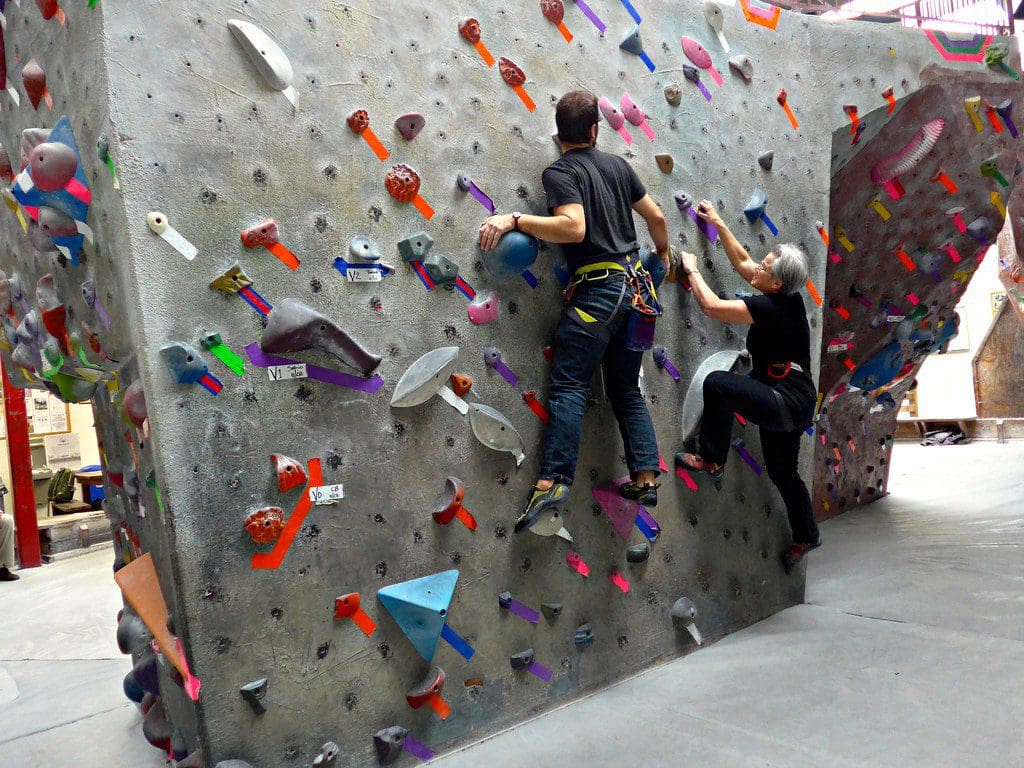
(267, 56)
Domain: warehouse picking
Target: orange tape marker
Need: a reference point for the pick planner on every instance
(851, 110)
(947, 182)
(271, 560)
(423, 207)
(484, 53)
(784, 101)
(512, 74)
(813, 290)
(524, 97)
(905, 260)
(888, 96)
(469, 29)
(565, 31)
(347, 607)
(440, 706)
(359, 122)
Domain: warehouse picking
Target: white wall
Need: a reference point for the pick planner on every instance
(946, 382)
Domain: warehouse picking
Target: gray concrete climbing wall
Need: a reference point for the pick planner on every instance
(197, 134)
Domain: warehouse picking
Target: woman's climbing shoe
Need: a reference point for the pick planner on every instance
(695, 463)
(644, 494)
(796, 553)
(539, 501)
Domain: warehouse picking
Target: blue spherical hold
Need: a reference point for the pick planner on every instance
(652, 263)
(514, 254)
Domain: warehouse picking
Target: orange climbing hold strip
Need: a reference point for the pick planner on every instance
(466, 518)
(842, 311)
(273, 559)
(423, 207)
(378, 149)
(362, 620)
(524, 97)
(850, 365)
(947, 182)
(565, 31)
(484, 53)
(440, 706)
(813, 290)
(286, 257)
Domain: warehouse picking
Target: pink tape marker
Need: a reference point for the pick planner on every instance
(576, 563)
(912, 298)
(685, 477)
(635, 115)
(619, 581)
(615, 119)
(958, 220)
(740, 419)
(835, 257)
(192, 683)
(698, 54)
(949, 248)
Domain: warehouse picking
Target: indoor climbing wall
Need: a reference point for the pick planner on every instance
(912, 215)
(252, 244)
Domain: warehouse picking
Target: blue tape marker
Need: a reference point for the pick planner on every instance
(465, 288)
(647, 60)
(530, 278)
(253, 304)
(770, 224)
(632, 11)
(455, 641)
(645, 529)
(343, 267)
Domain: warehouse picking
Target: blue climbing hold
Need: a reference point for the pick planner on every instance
(420, 607)
(514, 254)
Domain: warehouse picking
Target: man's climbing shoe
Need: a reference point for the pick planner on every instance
(539, 501)
(644, 494)
(796, 553)
(696, 463)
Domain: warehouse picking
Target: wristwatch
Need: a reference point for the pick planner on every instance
(515, 220)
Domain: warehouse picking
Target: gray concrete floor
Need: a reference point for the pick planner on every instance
(909, 652)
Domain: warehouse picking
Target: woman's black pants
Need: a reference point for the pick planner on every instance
(728, 393)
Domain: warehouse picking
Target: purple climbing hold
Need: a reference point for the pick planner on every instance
(52, 165)
(410, 125)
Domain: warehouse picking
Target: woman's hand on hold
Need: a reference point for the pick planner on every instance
(689, 261)
(706, 210)
(493, 228)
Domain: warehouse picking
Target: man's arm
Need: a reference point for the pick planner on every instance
(567, 224)
(737, 254)
(651, 213)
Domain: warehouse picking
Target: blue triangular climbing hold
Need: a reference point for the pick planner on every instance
(420, 607)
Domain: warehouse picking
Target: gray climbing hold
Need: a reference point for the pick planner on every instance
(254, 693)
(442, 270)
(638, 553)
(505, 600)
(39, 239)
(523, 659)
(743, 67)
(766, 159)
(185, 363)
(980, 229)
(156, 727)
(54, 223)
(389, 743)
(363, 248)
(232, 764)
(693, 404)
(631, 43)
(266, 55)
(690, 73)
(665, 162)
(328, 754)
(464, 182)
(673, 94)
(684, 616)
(425, 377)
(551, 611)
(410, 124)
(415, 247)
(496, 432)
(683, 200)
(584, 635)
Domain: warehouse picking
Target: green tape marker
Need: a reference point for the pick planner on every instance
(151, 483)
(93, 3)
(213, 344)
(103, 149)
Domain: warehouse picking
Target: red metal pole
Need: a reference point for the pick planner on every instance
(27, 530)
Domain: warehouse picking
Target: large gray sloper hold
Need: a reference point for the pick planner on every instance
(684, 616)
(266, 55)
(495, 431)
(426, 377)
(389, 743)
(693, 405)
(294, 327)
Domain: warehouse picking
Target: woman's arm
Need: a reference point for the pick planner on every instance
(567, 225)
(723, 310)
(737, 254)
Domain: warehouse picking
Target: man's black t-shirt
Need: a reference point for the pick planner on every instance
(607, 187)
(780, 334)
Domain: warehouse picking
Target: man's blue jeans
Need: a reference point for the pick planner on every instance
(578, 353)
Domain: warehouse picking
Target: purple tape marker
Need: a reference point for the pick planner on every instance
(661, 360)
(741, 449)
(525, 612)
(708, 230)
(101, 313)
(594, 18)
(481, 197)
(539, 670)
(261, 359)
(417, 750)
(492, 358)
(704, 90)
(649, 521)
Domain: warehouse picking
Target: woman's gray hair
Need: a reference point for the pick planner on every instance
(789, 267)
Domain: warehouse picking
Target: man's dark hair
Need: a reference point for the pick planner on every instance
(575, 113)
